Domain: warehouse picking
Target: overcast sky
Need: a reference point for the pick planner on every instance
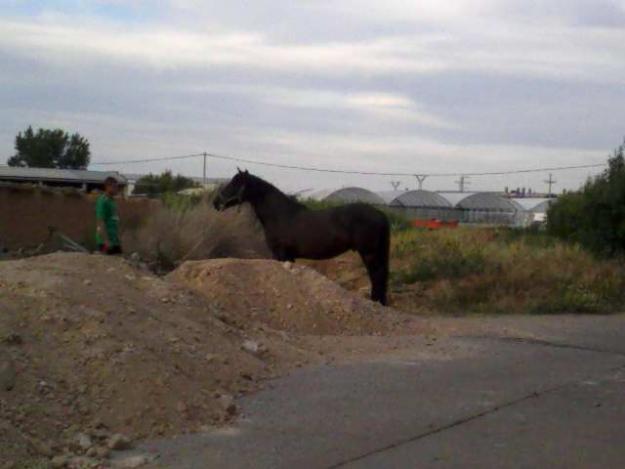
(410, 86)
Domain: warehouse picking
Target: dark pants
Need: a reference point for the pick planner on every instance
(109, 250)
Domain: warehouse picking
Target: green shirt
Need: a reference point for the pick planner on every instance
(106, 210)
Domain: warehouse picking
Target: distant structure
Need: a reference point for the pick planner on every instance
(495, 208)
(420, 204)
(463, 183)
(76, 178)
(550, 182)
(349, 195)
(420, 180)
(205, 183)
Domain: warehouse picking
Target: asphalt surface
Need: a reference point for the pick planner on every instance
(522, 392)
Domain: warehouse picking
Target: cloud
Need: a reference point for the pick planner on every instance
(357, 84)
(559, 52)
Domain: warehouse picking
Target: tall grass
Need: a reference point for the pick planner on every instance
(502, 271)
(187, 228)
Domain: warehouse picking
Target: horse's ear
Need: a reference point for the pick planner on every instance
(239, 170)
(247, 172)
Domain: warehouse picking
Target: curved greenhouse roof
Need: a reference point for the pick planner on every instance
(455, 197)
(489, 201)
(350, 194)
(530, 203)
(543, 206)
(420, 198)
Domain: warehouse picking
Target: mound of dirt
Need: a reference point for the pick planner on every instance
(285, 296)
(93, 342)
(92, 346)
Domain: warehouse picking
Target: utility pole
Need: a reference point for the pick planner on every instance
(550, 182)
(204, 171)
(462, 182)
(395, 185)
(420, 179)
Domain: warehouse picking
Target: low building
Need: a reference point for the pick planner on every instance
(76, 178)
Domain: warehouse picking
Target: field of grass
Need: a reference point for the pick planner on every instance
(455, 271)
(501, 270)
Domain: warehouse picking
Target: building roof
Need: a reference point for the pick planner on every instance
(543, 206)
(349, 194)
(489, 201)
(416, 198)
(454, 197)
(531, 203)
(15, 173)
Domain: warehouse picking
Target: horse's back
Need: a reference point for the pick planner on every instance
(361, 214)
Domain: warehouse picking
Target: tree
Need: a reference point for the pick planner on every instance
(595, 216)
(50, 149)
(166, 182)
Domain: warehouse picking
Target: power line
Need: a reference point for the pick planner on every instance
(147, 160)
(344, 171)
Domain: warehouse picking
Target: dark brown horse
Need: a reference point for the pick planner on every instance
(294, 231)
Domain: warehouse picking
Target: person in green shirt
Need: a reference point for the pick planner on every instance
(107, 219)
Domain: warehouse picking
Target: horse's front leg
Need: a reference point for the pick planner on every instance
(280, 253)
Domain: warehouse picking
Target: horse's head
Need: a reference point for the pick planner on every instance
(234, 193)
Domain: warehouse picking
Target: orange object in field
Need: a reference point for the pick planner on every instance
(434, 224)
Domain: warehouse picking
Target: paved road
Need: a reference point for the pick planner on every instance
(513, 393)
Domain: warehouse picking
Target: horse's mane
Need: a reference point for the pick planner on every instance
(265, 187)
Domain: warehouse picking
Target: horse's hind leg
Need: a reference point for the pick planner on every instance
(376, 258)
(377, 268)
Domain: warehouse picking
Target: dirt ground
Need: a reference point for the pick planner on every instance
(95, 346)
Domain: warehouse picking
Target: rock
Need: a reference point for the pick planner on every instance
(287, 265)
(102, 452)
(80, 462)
(83, 441)
(8, 375)
(119, 442)
(43, 387)
(41, 447)
(86, 282)
(253, 347)
(60, 461)
(130, 462)
(13, 339)
(227, 403)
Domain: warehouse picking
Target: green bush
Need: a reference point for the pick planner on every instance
(180, 202)
(153, 185)
(497, 270)
(595, 216)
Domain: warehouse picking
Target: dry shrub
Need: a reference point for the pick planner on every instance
(489, 270)
(169, 236)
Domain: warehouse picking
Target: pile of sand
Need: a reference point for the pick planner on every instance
(90, 342)
(285, 296)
